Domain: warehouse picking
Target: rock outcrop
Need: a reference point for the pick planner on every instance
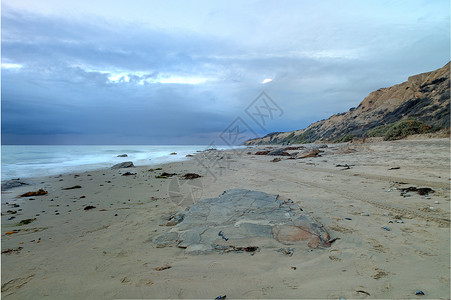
(424, 97)
(242, 220)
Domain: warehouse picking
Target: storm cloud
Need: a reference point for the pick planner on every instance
(181, 76)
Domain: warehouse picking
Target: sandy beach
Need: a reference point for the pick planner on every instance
(69, 252)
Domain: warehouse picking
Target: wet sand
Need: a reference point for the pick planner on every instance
(107, 252)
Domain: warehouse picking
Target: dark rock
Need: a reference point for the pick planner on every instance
(279, 152)
(262, 152)
(128, 174)
(9, 184)
(122, 155)
(127, 164)
(89, 207)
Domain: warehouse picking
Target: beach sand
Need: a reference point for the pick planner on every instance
(107, 252)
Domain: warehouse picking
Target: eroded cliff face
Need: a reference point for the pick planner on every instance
(424, 97)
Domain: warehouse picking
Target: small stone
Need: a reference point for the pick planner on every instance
(431, 208)
(365, 214)
(436, 202)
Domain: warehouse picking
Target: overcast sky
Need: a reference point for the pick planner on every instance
(180, 72)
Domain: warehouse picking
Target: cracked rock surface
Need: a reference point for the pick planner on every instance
(242, 217)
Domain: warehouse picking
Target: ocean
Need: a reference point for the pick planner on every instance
(34, 161)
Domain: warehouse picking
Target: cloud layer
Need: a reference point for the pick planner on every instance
(87, 79)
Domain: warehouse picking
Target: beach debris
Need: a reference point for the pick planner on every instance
(395, 168)
(399, 221)
(277, 159)
(221, 297)
(89, 207)
(73, 187)
(345, 166)
(293, 268)
(173, 153)
(419, 293)
(421, 191)
(191, 176)
(363, 292)
(39, 192)
(349, 219)
(230, 248)
(165, 175)
(221, 234)
(25, 222)
(333, 240)
(365, 214)
(122, 155)
(82, 197)
(286, 251)
(9, 251)
(10, 218)
(165, 267)
(385, 228)
(11, 232)
(126, 164)
(128, 174)
(436, 202)
(189, 155)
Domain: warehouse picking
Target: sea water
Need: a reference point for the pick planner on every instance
(34, 161)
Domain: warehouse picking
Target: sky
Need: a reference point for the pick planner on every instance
(193, 72)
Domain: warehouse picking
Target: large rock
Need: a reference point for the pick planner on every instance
(9, 184)
(126, 164)
(243, 218)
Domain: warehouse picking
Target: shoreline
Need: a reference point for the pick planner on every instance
(107, 252)
(43, 161)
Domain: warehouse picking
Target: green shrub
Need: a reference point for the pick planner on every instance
(345, 139)
(400, 129)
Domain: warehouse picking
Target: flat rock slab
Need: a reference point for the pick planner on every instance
(243, 218)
